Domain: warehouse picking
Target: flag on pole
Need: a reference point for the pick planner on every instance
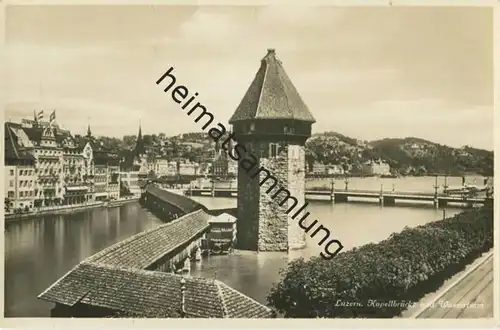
(52, 117)
(38, 116)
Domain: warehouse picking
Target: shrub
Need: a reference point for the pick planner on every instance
(404, 267)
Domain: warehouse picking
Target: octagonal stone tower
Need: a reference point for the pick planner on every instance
(273, 123)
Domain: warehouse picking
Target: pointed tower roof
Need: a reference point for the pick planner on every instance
(139, 147)
(89, 132)
(272, 95)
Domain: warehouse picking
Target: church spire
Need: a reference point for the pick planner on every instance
(89, 132)
(139, 147)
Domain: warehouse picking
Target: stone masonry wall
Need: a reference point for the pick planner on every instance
(264, 225)
(247, 223)
(296, 186)
(273, 222)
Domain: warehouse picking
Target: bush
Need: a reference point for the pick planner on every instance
(404, 267)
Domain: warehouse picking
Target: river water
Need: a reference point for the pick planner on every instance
(39, 251)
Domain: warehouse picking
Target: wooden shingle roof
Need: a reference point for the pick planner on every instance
(183, 203)
(142, 293)
(143, 249)
(117, 278)
(271, 95)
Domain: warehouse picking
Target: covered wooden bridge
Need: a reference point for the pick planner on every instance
(133, 278)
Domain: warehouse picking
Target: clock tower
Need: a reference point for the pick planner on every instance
(273, 123)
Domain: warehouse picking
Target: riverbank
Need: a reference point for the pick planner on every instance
(122, 201)
(67, 209)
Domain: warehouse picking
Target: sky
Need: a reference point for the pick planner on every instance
(366, 72)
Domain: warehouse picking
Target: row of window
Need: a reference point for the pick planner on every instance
(26, 183)
(286, 129)
(72, 161)
(30, 193)
(67, 169)
(24, 172)
(48, 171)
(50, 152)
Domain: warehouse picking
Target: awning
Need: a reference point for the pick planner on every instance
(75, 188)
(222, 218)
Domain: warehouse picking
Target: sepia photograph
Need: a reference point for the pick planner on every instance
(248, 162)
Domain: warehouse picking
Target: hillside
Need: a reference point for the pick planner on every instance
(410, 155)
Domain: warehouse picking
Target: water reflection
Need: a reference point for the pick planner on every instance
(354, 224)
(39, 251)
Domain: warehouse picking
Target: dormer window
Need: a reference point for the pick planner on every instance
(252, 127)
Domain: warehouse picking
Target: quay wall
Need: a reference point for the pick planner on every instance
(67, 209)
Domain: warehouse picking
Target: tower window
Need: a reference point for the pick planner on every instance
(285, 129)
(273, 150)
(252, 127)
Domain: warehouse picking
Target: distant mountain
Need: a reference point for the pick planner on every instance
(409, 155)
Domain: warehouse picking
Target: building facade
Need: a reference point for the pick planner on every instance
(49, 163)
(188, 168)
(88, 171)
(376, 168)
(274, 132)
(113, 179)
(75, 188)
(106, 175)
(130, 183)
(47, 166)
(220, 166)
(161, 167)
(19, 166)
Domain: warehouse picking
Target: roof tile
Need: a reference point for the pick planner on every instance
(271, 95)
(143, 249)
(150, 294)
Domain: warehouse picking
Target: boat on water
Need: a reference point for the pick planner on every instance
(388, 176)
(466, 189)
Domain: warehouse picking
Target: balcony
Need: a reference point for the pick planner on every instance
(48, 177)
(48, 157)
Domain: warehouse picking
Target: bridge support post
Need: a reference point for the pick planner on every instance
(389, 200)
(187, 266)
(332, 192)
(445, 187)
(340, 198)
(442, 202)
(197, 254)
(381, 197)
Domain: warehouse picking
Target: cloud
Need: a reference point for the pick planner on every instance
(354, 67)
